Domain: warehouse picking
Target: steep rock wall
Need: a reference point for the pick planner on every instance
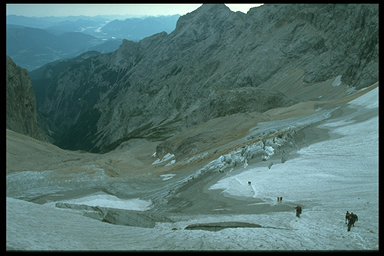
(216, 62)
(21, 102)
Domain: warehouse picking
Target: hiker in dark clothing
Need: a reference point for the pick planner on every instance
(351, 220)
(347, 217)
(354, 218)
(298, 211)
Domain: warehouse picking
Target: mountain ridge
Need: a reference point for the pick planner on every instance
(210, 66)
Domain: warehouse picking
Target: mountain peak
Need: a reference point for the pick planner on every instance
(205, 15)
(213, 7)
(217, 63)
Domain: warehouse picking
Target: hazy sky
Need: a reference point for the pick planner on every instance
(129, 10)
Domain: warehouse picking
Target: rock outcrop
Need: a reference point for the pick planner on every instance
(21, 102)
(146, 219)
(215, 63)
(217, 226)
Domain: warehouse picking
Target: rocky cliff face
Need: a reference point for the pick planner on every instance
(21, 102)
(215, 63)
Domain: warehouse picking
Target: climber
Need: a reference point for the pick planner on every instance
(298, 211)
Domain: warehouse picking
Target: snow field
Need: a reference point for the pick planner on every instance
(52, 229)
(327, 179)
(110, 201)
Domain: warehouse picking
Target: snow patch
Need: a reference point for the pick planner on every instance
(269, 150)
(337, 81)
(171, 163)
(164, 161)
(167, 176)
(110, 201)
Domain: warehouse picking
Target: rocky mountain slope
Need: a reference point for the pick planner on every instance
(124, 200)
(21, 102)
(214, 64)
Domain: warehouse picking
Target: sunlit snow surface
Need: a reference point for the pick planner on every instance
(323, 167)
(327, 179)
(110, 201)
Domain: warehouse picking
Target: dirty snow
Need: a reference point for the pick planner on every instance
(327, 179)
(105, 200)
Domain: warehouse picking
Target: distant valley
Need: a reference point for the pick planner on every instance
(33, 42)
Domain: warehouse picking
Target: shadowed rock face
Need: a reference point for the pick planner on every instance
(21, 102)
(222, 225)
(215, 63)
(118, 216)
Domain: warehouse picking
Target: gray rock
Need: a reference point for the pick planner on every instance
(118, 216)
(21, 102)
(215, 63)
(216, 226)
